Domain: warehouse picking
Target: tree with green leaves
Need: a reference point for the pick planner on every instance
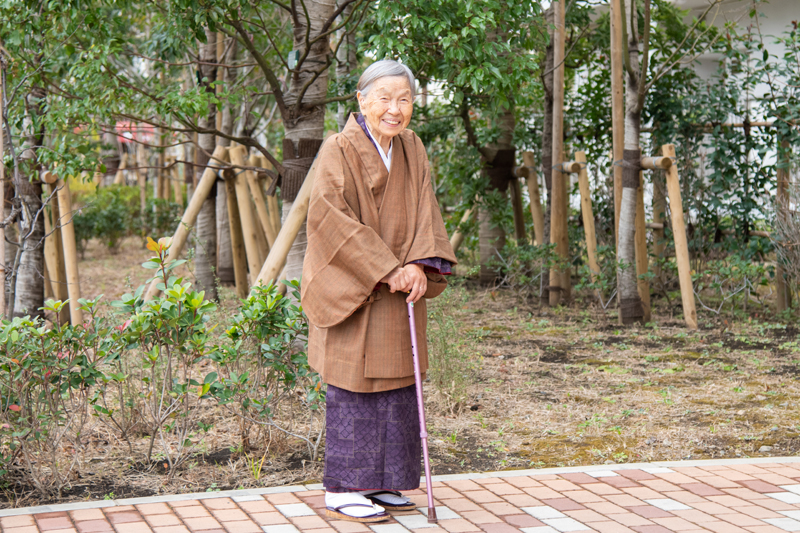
(481, 55)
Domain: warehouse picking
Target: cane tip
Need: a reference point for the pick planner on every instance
(432, 516)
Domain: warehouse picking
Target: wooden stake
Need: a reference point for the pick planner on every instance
(207, 181)
(58, 274)
(119, 178)
(2, 209)
(238, 155)
(519, 213)
(532, 180)
(782, 290)
(458, 236)
(656, 163)
(294, 220)
(273, 208)
(640, 247)
(617, 107)
(70, 251)
(681, 242)
(237, 240)
(177, 189)
(588, 217)
(659, 218)
(141, 178)
(558, 219)
(261, 204)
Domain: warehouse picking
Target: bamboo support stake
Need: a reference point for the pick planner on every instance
(238, 156)
(272, 203)
(237, 240)
(141, 178)
(458, 235)
(617, 107)
(558, 219)
(119, 178)
(70, 251)
(659, 218)
(2, 209)
(782, 290)
(640, 247)
(656, 163)
(190, 215)
(261, 204)
(58, 274)
(519, 212)
(177, 190)
(681, 243)
(294, 220)
(588, 217)
(532, 180)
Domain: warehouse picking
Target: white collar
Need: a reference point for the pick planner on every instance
(386, 157)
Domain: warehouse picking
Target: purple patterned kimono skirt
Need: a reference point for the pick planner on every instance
(372, 440)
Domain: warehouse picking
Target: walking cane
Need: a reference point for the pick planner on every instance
(423, 427)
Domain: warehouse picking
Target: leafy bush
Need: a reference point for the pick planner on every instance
(265, 362)
(731, 280)
(114, 212)
(143, 370)
(524, 269)
(46, 379)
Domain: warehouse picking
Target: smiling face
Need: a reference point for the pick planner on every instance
(387, 108)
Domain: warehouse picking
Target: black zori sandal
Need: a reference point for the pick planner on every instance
(334, 512)
(410, 506)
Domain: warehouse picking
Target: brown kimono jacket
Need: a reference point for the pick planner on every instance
(363, 221)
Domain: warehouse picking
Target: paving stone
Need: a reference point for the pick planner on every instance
(442, 513)
(287, 528)
(667, 504)
(786, 524)
(566, 524)
(295, 509)
(541, 529)
(522, 520)
(543, 512)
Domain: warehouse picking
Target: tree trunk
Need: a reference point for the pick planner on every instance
(500, 170)
(345, 61)
(304, 130)
(631, 310)
(206, 229)
(225, 270)
(547, 141)
(29, 286)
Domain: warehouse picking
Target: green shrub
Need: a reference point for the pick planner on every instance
(265, 364)
(112, 213)
(524, 268)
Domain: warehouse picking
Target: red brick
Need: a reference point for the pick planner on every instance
(636, 475)
(460, 504)
(125, 516)
(760, 486)
(522, 482)
(579, 477)
(655, 528)
(563, 504)
(621, 482)
(479, 517)
(219, 503)
(94, 526)
(56, 522)
(501, 509)
(482, 496)
(458, 525)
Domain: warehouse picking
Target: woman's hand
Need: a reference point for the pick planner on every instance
(418, 281)
(396, 280)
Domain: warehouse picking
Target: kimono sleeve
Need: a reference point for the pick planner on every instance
(345, 258)
(430, 238)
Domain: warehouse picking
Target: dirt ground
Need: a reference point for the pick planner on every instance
(550, 387)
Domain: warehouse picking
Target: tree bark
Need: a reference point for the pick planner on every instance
(500, 170)
(631, 310)
(29, 286)
(345, 61)
(547, 141)
(206, 229)
(225, 268)
(304, 128)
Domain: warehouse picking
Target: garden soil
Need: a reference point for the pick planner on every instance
(548, 387)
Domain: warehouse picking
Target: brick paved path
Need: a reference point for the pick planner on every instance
(745, 496)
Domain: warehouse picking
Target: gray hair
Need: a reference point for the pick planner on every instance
(384, 69)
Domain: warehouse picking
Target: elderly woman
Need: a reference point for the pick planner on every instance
(376, 240)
